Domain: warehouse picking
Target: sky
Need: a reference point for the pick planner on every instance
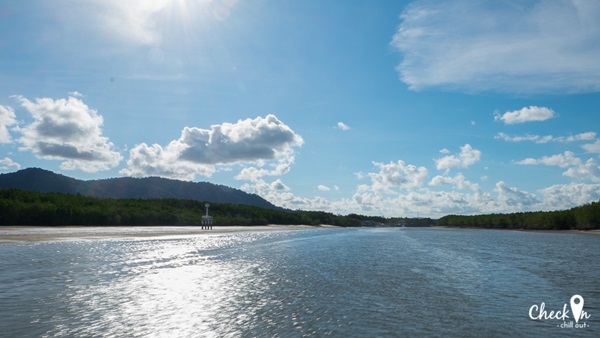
(375, 107)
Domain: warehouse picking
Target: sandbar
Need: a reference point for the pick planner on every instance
(13, 234)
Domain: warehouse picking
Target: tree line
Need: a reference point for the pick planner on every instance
(585, 217)
(20, 207)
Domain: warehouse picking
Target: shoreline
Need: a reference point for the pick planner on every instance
(32, 233)
(27, 233)
(594, 232)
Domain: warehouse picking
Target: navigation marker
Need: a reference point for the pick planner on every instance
(576, 307)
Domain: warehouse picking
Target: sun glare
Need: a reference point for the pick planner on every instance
(152, 22)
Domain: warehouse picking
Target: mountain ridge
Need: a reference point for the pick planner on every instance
(42, 180)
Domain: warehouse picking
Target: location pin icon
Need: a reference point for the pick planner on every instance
(577, 306)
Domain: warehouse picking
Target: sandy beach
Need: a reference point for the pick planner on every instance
(51, 233)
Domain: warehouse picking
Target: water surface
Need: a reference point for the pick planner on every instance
(325, 282)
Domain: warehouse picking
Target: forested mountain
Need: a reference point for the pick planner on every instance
(40, 180)
(20, 207)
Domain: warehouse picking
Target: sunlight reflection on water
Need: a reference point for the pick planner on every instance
(159, 288)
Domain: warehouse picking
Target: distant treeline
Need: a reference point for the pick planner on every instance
(585, 217)
(19, 207)
(393, 222)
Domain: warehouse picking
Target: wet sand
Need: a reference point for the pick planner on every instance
(52, 233)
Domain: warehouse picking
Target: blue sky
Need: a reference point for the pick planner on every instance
(393, 108)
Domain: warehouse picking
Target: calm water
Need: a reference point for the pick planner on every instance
(323, 282)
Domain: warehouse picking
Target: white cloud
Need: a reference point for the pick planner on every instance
(526, 114)
(274, 193)
(278, 185)
(585, 171)
(577, 169)
(467, 157)
(276, 168)
(7, 119)
(154, 160)
(8, 164)
(587, 136)
(531, 138)
(259, 142)
(67, 130)
(396, 175)
(565, 196)
(566, 159)
(342, 126)
(398, 189)
(529, 161)
(360, 175)
(512, 198)
(522, 47)
(322, 187)
(459, 181)
(592, 147)
(427, 202)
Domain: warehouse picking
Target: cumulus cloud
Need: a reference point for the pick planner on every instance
(459, 181)
(504, 199)
(577, 169)
(278, 185)
(67, 130)
(434, 203)
(467, 157)
(565, 196)
(585, 171)
(287, 199)
(154, 160)
(526, 114)
(8, 164)
(398, 189)
(526, 47)
(342, 126)
(512, 198)
(200, 151)
(396, 175)
(275, 168)
(7, 119)
(322, 187)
